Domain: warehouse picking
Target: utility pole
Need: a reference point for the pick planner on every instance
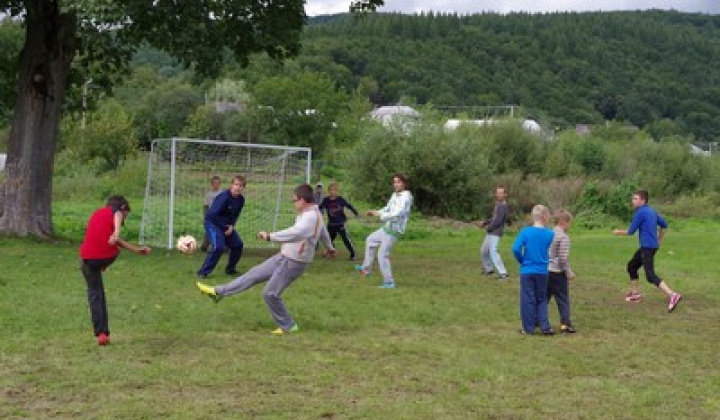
(84, 102)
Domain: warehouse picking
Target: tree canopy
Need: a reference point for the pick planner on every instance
(82, 40)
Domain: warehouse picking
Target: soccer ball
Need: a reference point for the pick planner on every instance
(186, 244)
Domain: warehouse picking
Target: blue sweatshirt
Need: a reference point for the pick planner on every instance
(532, 249)
(334, 208)
(225, 210)
(647, 220)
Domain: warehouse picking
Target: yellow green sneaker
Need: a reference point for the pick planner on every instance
(209, 291)
(280, 331)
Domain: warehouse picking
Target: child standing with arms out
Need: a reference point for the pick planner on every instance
(334, 205)
(209, 198)
(560, 271)
(395, 215)
(494, 227)
(651, 227)
(98, 251)
(531, 251)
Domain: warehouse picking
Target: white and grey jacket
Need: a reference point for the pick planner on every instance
(299, 240)
(396, 213)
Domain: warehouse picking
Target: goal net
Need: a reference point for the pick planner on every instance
(179, 174)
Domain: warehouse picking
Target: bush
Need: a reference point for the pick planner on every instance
(107, 139)
(669, 169)
(524, 193)
(509, 148)
(448, 172)
(607, 198)
(705, 206)
(75, 179)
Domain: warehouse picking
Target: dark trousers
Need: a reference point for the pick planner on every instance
(219, 242)
(645, 258)
(333, 231)
(558, 287)
(92, 271)
(533, 302)
(206, 241)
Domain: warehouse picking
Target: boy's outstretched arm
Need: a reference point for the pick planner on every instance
(140, 250)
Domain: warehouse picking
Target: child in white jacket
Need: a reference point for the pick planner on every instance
(395, 215)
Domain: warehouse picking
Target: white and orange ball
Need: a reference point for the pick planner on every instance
(186, 244)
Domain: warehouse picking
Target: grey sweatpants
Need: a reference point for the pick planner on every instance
(279, 272)
(384, 241)
(490, 256)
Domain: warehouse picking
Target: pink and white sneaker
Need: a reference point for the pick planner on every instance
(633, 297)
(673, 301)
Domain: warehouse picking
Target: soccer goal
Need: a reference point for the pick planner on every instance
(179, 173)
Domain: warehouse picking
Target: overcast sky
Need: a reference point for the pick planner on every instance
(323, 7)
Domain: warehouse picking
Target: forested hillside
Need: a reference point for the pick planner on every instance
(639, 67)
(657, 70)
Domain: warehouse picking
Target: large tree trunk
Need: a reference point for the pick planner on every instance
(45, 61)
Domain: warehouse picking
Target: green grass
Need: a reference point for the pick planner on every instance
(444, 345)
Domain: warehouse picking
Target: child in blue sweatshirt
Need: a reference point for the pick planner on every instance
(334, 205)
(651, 228)
(531, 250)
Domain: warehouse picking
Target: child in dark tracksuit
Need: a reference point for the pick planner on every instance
(334, 205)
(220, 228)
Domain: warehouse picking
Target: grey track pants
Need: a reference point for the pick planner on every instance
(279, 272)
(383, 242)
(490, 256)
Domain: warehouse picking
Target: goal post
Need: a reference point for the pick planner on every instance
(179, 174)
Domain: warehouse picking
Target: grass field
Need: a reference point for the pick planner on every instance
(443, 345)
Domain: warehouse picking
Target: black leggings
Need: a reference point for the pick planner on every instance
(645, 258)
(92, 271)
(333, 230)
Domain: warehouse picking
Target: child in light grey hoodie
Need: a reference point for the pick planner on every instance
(395, 215)
(281, 270)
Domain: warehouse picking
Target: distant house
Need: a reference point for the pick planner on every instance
(388, 115)
(582, 129)
(528, 125)
(222, 107)
(697, 151)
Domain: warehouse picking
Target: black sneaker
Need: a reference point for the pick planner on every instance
(548, 332)
(489, 273)
(503, 277)
(232, 272)
(201, 276)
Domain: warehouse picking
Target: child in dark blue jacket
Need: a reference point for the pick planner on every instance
(334, 205)
(651, 228)
(220, 222)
